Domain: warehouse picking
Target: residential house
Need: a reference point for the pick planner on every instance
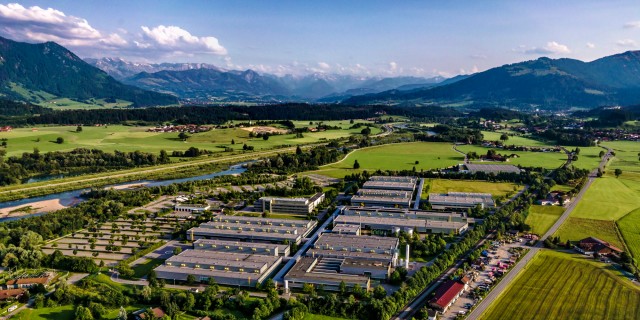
(593, 245)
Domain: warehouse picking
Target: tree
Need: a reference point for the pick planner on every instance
(265, 137)
(233, 141)
(122, 314)
(504, 137)
(191, 279)
(356, 165)
(79, 129)
(366, 131)
(343, 288)
(298, 150)
(177, 251)
(617, 172)
(83, 313)
(379, 292)
(183, 136)
(38, 301)
(60, 140)
(601, 154)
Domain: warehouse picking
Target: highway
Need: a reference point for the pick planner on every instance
(504, 283)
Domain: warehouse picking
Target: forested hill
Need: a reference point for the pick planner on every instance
(220, 114)
(30, 71)
(543, 83)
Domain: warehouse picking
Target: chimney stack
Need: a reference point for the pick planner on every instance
(406, 260)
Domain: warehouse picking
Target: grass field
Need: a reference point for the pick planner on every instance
(629, 227)
(513, 140)
(398, 156)
(56, 313)
(549, 160)
(557, 285)
(497, 189)
(589, 157)
(130, 138)
(608, 198)
(541, 218)
(576, 229)
(310, 316)
(142, 269)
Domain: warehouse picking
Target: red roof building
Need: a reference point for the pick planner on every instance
(593, 245)
(447, 294)
(11, 293)
(26, 282)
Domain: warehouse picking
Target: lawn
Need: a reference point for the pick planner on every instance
(541, 218)
(142, 269)
(549, 160)
(558, 285)
(497, 189)
(576, 229)
(397, 156)
(55, 313)
(131, 138)
(518, 140)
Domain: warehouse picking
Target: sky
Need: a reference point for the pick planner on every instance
(367, 38)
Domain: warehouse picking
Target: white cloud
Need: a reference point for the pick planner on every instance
(393, 66)
(590, 45)
(551, 47)
(176, 39)
(632, 25)
(628, 43)
(324, 65)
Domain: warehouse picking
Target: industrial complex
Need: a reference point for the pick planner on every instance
(460, 200)
(299, 206)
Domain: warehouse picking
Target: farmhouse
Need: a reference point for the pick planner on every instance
(6, 129)
(300, 206)
(460, 200)
(11, 293)
(593, 245)
(26, 283)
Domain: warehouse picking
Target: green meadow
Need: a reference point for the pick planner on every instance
(549, 160)
(541, 218)
(518, 140)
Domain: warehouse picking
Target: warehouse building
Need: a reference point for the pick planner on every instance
(346, 229)
(236, 269)
(191, 207)
(267, 249)
(252, 229)
(391, 183)
(323, 271)
(489, 168)
(404, 213)
(460, 200)
(299, 206)
(382, 198)
(395, 225)
(404, 179)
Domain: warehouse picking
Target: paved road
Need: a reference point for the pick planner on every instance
(416, 205)
(504, 283)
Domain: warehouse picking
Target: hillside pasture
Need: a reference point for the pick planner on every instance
(558, 285)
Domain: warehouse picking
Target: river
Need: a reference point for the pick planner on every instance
(69, 198)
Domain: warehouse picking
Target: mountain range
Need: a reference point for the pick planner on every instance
(205, 82)
(543, 83)
(46, 71)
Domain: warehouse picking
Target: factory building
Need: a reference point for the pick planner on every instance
(346, 229)
(391, 183)
(191, 208)
(299, 206)
(382, 198)
(267, 249)
(227, 268)
(252, 229)
(460, 200)
(404, 213)
(394, 225)
(323, 271)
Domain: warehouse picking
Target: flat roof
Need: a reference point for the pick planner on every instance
(345, 228)
(260, 220)
(222, 243)
(409, 186)
(492, 168)
(365, 198)
(354, 241)
(225, 259)
(344, 254)
(242, 233)
(384, 193)
(453, 199)
(399, 222)
(209, 272)
(303, 270)
(248, 227)
(406, 211)
(394, 179)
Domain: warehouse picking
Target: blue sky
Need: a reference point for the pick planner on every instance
(387, 38)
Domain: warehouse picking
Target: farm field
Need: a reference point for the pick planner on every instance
(541, 218)
(549, 160)
(397, 156)
(629, 227)
(576, 229)
(589, 157)
(608, 198)
(558, 285)
(497, 189)
(518, 140)
(130, 138)
(626, 156)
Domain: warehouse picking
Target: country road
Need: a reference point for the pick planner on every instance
(504, 283)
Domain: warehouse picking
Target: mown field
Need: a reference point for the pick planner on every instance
(549, 160)
(589, 157)
(541, 218)
(576, 229)
(518, 140)
(558, 285)
(397, 156)
(497, 189)
(131, 138)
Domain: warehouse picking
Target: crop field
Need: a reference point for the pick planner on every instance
(557, 285)
(497, 189)
(576, 229)
(549, 160)
(397, 156)
(518, 140)
(629, 226)
(589, 157)
(609, 198)
(541, 218)
(130, 138)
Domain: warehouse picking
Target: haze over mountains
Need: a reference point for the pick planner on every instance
(41, 72)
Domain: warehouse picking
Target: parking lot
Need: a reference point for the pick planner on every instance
(498, 259)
